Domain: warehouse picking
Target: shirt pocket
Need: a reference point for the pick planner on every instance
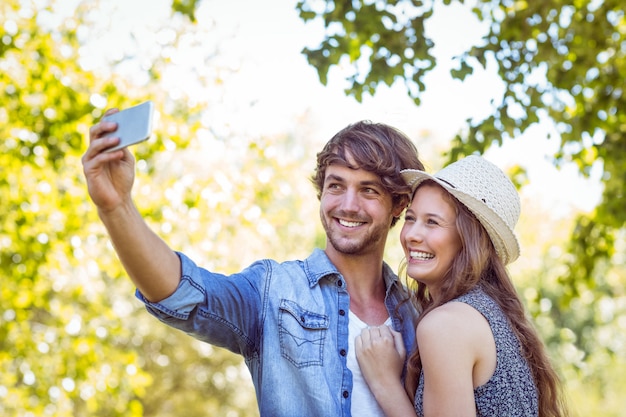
(302, 333)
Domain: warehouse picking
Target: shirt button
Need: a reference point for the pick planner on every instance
(342, 352)
(340, 283)
(342, 312)
(346, 394)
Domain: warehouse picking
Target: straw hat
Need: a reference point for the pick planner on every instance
(486, 191)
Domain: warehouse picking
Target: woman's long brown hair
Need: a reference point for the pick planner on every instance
(478, 264)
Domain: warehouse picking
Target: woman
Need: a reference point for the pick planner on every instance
(477, 354)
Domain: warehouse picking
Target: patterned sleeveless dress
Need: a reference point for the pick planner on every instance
(511, 391)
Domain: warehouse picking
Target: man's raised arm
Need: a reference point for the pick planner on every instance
(150, 263)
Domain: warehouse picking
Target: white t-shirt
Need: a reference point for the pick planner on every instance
(363, 401)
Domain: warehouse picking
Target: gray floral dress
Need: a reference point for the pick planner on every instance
(511, 390)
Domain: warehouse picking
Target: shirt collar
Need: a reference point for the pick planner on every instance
(318, 266)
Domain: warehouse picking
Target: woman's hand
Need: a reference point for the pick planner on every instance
(380, 352)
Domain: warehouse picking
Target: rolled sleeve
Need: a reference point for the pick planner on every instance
(184, 300)
(218, 309)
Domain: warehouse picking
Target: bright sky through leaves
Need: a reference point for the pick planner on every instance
(270, 85)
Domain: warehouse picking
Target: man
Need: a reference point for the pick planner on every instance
(293, 322)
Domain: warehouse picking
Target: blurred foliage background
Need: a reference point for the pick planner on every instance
(75, 342)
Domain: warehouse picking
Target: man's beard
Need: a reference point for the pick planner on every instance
(355, 245)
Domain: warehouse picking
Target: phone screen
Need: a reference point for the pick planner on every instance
(134, 125)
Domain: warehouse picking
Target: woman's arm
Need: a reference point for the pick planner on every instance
(447, 341)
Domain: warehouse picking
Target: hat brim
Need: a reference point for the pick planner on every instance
(502, 237)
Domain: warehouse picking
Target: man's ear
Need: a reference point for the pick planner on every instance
(403, 202)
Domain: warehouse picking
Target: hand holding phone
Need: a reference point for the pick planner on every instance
(134, 125)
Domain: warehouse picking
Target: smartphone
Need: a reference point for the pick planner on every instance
(134, 125)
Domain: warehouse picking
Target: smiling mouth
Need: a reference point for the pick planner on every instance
(347, 223)
(421, 256)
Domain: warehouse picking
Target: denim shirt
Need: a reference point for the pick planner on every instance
(290, 323)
